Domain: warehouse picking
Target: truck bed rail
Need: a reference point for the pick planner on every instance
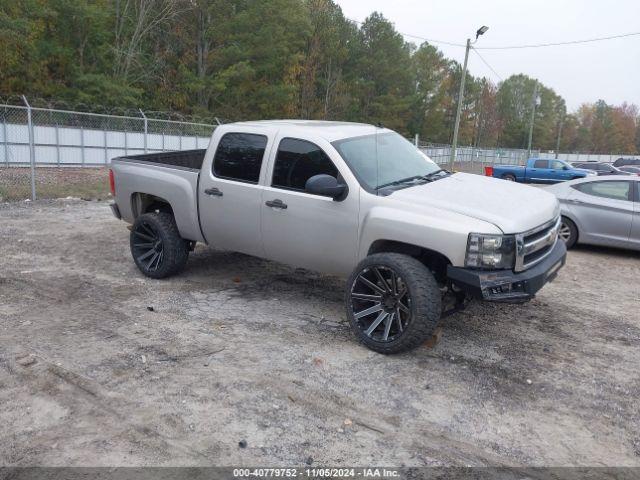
(191, 159)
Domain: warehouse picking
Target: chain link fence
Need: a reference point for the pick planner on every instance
(473, 159)
(50, 153)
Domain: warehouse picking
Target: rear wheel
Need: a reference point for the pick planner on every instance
(568, 232)
(156, 245)
(509, 177)
(393, 302)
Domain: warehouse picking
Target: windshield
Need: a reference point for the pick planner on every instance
(381, 159)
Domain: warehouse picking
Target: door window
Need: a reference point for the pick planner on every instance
(613, 190)
(556, 165)
(541, 164)
(239, 157)
(297, 161)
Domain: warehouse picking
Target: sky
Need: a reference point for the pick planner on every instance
(608, 70)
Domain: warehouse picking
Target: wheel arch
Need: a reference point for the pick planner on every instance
(146, 203)
(433, 260)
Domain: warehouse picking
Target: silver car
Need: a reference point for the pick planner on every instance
(600, 211)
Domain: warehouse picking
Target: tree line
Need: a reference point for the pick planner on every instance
(249, 59)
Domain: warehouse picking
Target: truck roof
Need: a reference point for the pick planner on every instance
(329, 130)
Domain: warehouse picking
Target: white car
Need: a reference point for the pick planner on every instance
(600, 211)
(347, 199)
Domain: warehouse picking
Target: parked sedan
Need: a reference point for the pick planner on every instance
(621, 162)
(600, 168)
(631, 170)
(600, 211)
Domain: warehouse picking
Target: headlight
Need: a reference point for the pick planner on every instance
(490, 251)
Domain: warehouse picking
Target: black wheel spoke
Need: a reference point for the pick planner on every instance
(146, 255)
(144, 236)
(387, 327)
(364, 296)
(376, 322)
(403, 307)
(148, 229)
(370, 284)
(394, 283)
(382, 279)
(153, 259)
(368, 311)
(399, 319)
(144, 245)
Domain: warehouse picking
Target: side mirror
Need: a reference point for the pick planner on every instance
(566, 167)
(327, 186)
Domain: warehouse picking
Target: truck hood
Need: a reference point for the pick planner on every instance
(510, 206)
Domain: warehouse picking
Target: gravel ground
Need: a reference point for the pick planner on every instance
(240, 349)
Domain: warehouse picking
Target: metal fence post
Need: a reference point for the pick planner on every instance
(6, 140)
(57, 145)
(32, 151)
(82, 144)
(106, 150)
(146, 129)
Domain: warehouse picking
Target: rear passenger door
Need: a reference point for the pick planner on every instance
(303, 229)
(634, 237)
(604, 210)
(230, 194)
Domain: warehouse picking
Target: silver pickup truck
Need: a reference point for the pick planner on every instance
(346, 199)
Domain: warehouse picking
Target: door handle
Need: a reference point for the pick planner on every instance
(214, 192)
(277, 203)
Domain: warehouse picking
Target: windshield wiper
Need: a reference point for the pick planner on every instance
(401, 181)
(429, 177)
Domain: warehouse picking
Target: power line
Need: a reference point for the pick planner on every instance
(486, 63)
(509, 47)
(570, 42)
(430, 40)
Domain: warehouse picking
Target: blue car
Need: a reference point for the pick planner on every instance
(539, 170)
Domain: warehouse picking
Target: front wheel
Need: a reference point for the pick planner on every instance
(568, 232)
(393, 302)
(156, 245)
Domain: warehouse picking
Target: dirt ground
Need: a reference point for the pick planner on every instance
(240, 349)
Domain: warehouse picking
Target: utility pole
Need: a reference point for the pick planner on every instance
(559, 135)
(534, 100)
(456, 126)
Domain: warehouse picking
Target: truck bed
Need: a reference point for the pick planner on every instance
(189, 159)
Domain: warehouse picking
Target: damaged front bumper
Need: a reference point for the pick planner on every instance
(505, 285)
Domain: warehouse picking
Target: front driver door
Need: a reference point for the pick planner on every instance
(558, 172)
(305, 230)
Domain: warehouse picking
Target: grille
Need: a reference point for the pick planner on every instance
(536, 244)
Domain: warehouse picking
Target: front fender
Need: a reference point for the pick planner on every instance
(442, 231)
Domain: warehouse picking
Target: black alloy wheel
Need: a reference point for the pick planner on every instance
(381, 303)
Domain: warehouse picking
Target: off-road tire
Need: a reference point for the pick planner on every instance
(573, 232)
(173, 250)
(424, 297)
